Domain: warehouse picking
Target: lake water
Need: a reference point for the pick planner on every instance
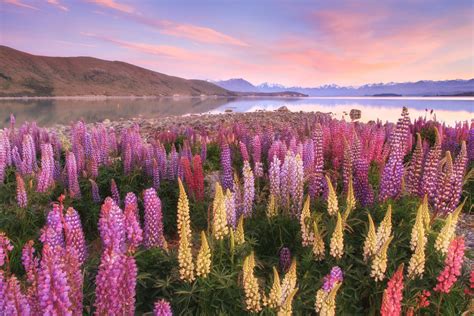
(48, 112)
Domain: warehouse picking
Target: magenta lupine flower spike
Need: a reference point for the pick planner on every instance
(452, 266)
(95, 191)
(153, 230)
(332, 278)
(244, 152)
(21, 197)
(45, 178)
(226, 167)
(115, 192)
(15, 301)
(75, 235)
(111, 226)
(28, 154)
(73, 183)
(4, 155)
(393, 295)
(162, 308)
(31, 265)
(132, 223)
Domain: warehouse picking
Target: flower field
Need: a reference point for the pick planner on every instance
(267, 213)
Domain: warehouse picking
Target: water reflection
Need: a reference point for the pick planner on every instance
(48, 112)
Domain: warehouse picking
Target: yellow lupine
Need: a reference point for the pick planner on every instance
(185, 257)
(447, 233)
(337, 239)
(426, 213)
(274, 297)
(183, 212)
(287, 307)
(333, 207)
(239, 232)
(379, 263)
(350, 201)
(385, 229)
(219, 219)
(289, 282)
(307, 234)
(271, 207)
(250, 283)
(416, 228)
(203, 260)
(325, 303)
(318, 243)
(370, 243)
(417, 261)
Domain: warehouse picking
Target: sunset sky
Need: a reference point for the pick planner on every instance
(305, 43)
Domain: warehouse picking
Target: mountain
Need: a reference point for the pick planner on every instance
(23, 74)
(237, 84)
(419, 88)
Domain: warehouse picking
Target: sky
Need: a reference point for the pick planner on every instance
(294, 43)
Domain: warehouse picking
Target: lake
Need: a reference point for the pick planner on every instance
(48, 112)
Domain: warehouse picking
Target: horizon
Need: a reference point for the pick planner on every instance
(297, 44)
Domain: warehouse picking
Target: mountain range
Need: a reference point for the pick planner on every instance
(419, 88)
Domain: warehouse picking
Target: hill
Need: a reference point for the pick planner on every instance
(23, 74)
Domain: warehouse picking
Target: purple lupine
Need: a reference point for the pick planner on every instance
(129, 285)
(297, 184)
(28, 154)
(45, 178)
(274, 177)
(459, 169)
(74, 234)
(243, 151)
(336, 275)
(153, 225)
(15, 301)
(249, 189)
(95, 191)
(362, 188)
(414, 172)
(111, 226)
(431, 168)
(52, 232)
(21, 197)
(115, 192)
(285, 259)
(470, 142)
(75, 279)
(226, 167)
(308, 155)
(3, 156)
(31, 265)
(162, 308)
(53, 288)
(72, 172)
(134, 232)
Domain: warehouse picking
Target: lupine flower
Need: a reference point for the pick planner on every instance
(72, 172)
(431, 167)
(271, 207)
(318, 243)
(95, 191)
(452, 266)
(4, 142)
(183, 212)
(239, 232)
(134, 232)
(219, 219)
(417, 261)
(52, 233)
(198, 178)
(74, 234)
(350, 201)
(337, 239)
(274, 297)
(379, 262)
(153, 225)
(226, 167)
(419, 225)
(447, 233)
(203, 260)
(288, 285)
(285, 176)
(21, 197)
(332, 199)
(393, 295)
(115, 192)
(285, 259)
(230, 209)
(370, 243)
(257, 156)
(112, 226)
(162, 308)
(31, 265)
(45, 178)
(326, 296)
(155, 174)
(250, 283)
(243, 151)
(185, 257)
(444, 195)
(459, 168)
(249, 189)
(297, 185)
(384, 231)
(274, 177)
(15, 301)
(28, 154)
(307, 234)
(414, 172)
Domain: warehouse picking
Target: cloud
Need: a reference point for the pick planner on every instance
(112, 4)
(21, 4)
(57, 4)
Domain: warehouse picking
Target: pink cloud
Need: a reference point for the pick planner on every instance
(57, 4)
(21, 4)
(112, 4)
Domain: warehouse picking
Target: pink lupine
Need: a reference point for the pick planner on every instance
(155, 174)
(431, 169)
(45, 178)
(31, 265)
(3, 156)
(28, 154)
(111, 226)
(74, 234)
(95, 191)
(115, 192)
(15, 301)
(274, 177)
(162, 308)
(21, 197)
(72, 173)
(188, 174)
(153, 226)
(244, 152)
(134, 232)
(257, 156)
(452, 266)
(393, 295)
(198, 178)
(459, 169)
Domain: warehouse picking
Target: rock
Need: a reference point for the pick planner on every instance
(283, 109)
